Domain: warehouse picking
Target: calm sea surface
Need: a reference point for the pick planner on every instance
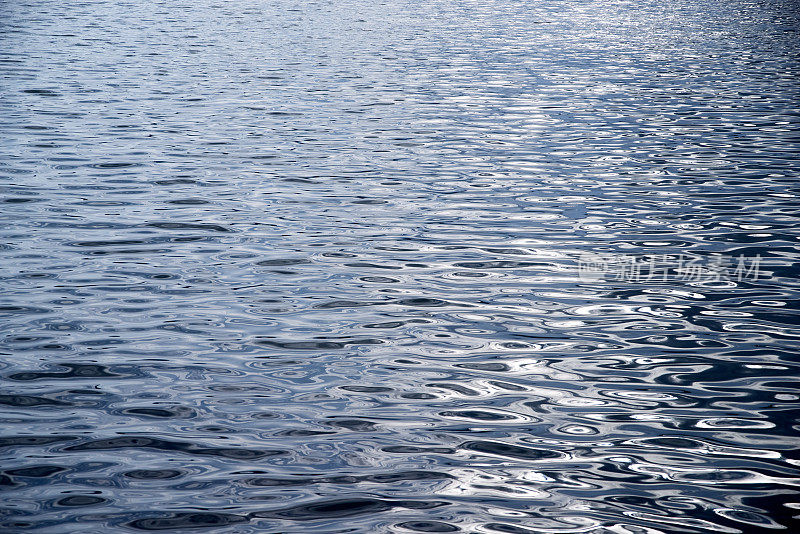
(497, 266)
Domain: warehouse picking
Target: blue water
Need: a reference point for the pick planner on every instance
(318, 267)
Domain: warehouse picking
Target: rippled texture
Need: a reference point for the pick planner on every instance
(294, 267)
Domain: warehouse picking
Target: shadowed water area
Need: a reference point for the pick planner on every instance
(313, 267)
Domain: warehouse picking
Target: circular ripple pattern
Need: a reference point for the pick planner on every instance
(274, 266)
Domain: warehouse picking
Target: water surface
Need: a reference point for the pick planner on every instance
(295, 267)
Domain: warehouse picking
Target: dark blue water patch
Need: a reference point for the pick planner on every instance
(76, 370)
(11, 310)
(154, 474)
(511, 451)
(282, 261)
(39, 471)
(344, 508)
(30, 440)
(388, 478)
(428, 526)
(160, 412)
(79, 500)
(40, 92)
(318, 345)
(187, 520)
(29, 401)
(132, 442)
(189, 226)
(333, 509)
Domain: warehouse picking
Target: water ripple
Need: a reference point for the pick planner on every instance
(317, 266)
